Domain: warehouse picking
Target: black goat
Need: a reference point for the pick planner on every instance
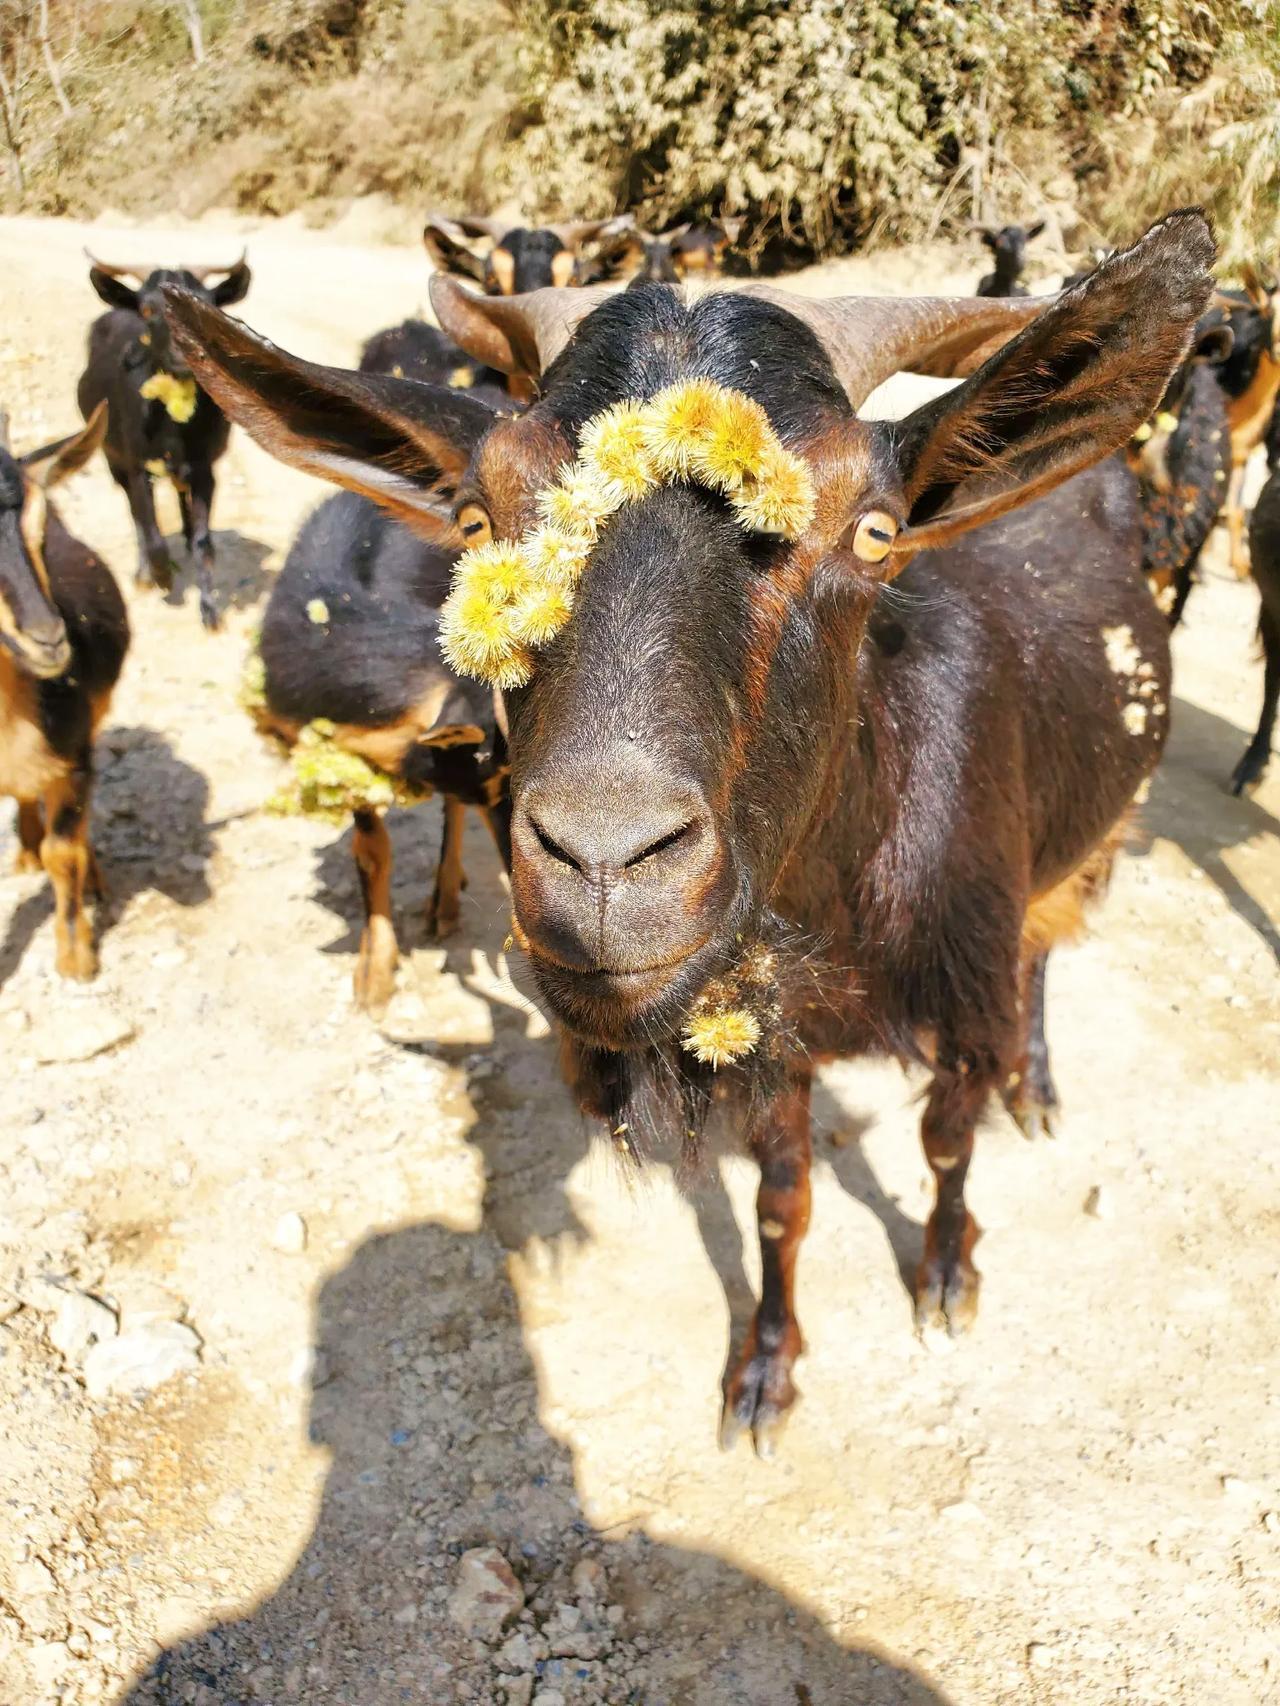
(1250, 379)
(63, 639)
(415, 349)
(1264, 552)
(622, 250)
(765, 807)
(1182, 458)
(160, 424)
(508, 258)
(350, 635)
(1008, 246)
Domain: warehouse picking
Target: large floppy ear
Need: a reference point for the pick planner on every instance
(53, 463)
(453, 250)
(235, 286)
(1068, 390)
(113, 291)
(402, 443)
(515, 334)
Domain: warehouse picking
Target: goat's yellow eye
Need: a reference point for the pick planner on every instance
(474, 524)
(874, 535)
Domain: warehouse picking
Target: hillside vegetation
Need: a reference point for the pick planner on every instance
(829, 124)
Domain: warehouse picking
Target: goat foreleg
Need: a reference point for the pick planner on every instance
(201, 542)
(946, 1281)
(759, 1392)
(155, 566)
(65, 855)
(376, 967)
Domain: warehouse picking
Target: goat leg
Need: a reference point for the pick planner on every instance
(1029, 1092)
(65, 855)
(759, 1392)
(375, 978)
(946, 1281)
(445, 906)
(155, 566)
(1257, 755)
(30, 835)
(201, 545)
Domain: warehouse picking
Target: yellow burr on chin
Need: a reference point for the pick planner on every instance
(721, 1036)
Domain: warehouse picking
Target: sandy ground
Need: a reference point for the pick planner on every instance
(479, 1335)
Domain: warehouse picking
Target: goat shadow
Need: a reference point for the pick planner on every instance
(420, 1363)
(148, 830)
(240, 575)
(1190, 805)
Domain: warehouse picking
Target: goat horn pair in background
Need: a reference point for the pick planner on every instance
(143, 270)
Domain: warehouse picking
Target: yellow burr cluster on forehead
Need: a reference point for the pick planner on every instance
(510, 597)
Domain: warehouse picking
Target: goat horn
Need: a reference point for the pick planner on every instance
(141, 272)
(202, 273)
(574, 232)
(473, 225)
(535, 326)
(870, 338)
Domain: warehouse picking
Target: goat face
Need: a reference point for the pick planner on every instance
(510, 260)
(31, 627)
(671, 743)
(146, 300)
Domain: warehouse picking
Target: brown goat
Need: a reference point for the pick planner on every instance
(508, 258)
(836, 787)
(63, 638)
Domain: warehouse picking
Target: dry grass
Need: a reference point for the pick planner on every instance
(828, 123)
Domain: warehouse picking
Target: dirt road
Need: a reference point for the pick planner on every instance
(430, 1319)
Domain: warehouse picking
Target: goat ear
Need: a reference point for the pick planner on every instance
(1069, 389)
(1214, 345)
(617, 245)
(448, 248)
(113, 291)
(234, 287)
(56, 462)
(402, 443)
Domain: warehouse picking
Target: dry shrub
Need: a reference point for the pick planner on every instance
(828, 123)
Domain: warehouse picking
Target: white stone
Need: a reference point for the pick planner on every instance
(141, 1359)
(290, 1234)
(485, 1594)
(81, 1321)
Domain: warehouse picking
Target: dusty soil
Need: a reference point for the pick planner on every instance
(480, 1335)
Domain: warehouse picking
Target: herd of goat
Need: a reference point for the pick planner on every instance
(820, 731)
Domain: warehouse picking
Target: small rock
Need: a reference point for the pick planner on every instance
(34, 1580)
(519, 1691)
(1234, 1488)
(1098, 1204)
(1271, 1521)
(1040, 1654)
(548, 1697)
(76, 1033)
(141, 1359)
(588, 1578)
(79, 1644)
(290, 1234)
(169, 959)
(486, 1593)
(81, 1321)
(961, 1510)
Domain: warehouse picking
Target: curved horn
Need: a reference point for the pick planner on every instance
(202, 273)
(141, 272)
(517, 334)
(870, 338)
(574, 232)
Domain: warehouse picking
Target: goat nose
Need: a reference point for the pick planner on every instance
(583, 834)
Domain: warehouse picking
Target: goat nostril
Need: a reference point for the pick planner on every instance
(659, 846)
(551, 846)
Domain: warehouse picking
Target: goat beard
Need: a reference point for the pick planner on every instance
(657, 1101)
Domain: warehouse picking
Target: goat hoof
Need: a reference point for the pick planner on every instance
(759, 1397)
(25, 862)
(1247, 774)
(1035, 1117)
(947, 1295)
(209, 616)
(440, 924)
(78, 962)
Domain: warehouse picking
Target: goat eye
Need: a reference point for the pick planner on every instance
(874, 535)
(474, 524)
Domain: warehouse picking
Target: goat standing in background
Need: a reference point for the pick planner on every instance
(507, 258)
(161, 424)
(1008, 246)
(63, 639)
(1264, 554)
(1250, 379)
(623, 251)
(764, 813)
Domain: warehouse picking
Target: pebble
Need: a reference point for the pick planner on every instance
(548, 1697)
(141, 1359)
(519, 1691)
(290, 1234)
(81, 1322)
(485, 1594)
(1040, 1655)
(71, 1034)
(1098, 1204)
